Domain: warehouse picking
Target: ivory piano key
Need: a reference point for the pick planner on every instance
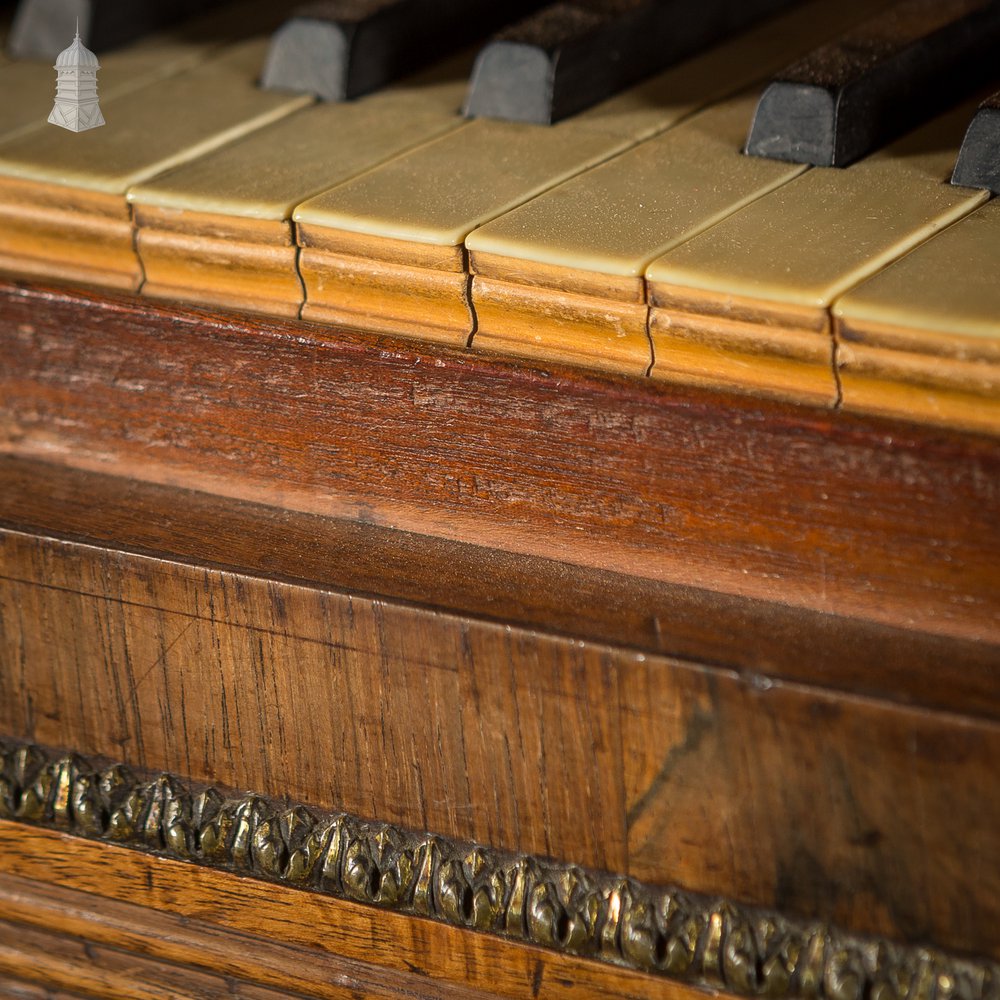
(595, 235)
(746, 304)
(218, 229)
(385, 251)
(387, 247)
(921, 339)
(63, 208)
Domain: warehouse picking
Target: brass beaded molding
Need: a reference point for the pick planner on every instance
(695, 939)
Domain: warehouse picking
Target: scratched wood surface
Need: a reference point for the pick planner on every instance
(905, 665)
(215, 919)
(868, 517)
(30, 953)
(259, 956)
(825, 802)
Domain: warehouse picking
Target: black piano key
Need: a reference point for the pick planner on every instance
(887, 75)
(43, 28)
(978, 163)
(339, 49)
(569, 56)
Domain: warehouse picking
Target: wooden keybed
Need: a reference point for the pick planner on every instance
(710, 663)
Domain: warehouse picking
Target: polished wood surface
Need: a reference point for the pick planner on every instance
(244, 650)
(866, 517)
(743, 647)
(399, 956)
(48, 920)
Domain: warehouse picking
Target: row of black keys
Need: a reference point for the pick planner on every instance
(911, 60)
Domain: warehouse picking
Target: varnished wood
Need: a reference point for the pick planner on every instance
(52, 960)
(887, 368)
(194, 942)
(860, 516)
(851, 655)
(486, 966)
(547, 326)
(20, 990)
(708, 338)
(385, 285)
(74, 235)
(502, 733)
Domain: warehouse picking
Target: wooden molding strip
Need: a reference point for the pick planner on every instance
(850, 515)
(114, 915)
(693, 939)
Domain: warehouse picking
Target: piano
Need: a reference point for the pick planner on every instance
(468, 536)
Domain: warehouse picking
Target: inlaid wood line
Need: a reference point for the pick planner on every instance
(714, 943)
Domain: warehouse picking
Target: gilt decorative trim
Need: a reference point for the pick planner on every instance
(695, 939)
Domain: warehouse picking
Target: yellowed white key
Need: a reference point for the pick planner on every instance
(266, 173)
(921, 339)
(28, 85)
(386, 248)
(63, 209)
(746, 303)
(217, 229)
(595, 234)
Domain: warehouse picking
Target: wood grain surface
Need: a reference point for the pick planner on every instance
(711, 338)
(71, 234)
(950, 379)
(252, 956)
(402, 949)
(909, 666)
(824, 510)
(817, 801)
(30, 953)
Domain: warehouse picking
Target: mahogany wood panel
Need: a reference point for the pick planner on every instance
(825, 510)
(855, 812)
(486, 966)
(29, 953)
(880, 817)
(247, 956)
(436, 722)
(775, 640)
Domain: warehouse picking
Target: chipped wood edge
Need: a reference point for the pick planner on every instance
(683, 937)
(950, 381)
(763, 348)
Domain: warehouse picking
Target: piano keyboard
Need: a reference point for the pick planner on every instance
(633, 237)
